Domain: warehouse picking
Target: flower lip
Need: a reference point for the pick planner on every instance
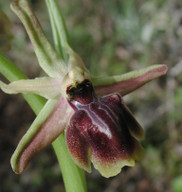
(82, 93)
(100, 132)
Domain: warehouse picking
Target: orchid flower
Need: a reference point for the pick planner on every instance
(98, 126)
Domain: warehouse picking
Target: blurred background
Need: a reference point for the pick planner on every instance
(113, 37)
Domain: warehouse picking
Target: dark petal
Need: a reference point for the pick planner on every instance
(134, 127)
(103, 125)
(116, 160)
(77, 146)
(120, 107)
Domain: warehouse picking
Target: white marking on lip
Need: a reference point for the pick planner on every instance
(96, 120)
(113, 116)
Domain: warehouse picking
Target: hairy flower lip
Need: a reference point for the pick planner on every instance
(98, 131)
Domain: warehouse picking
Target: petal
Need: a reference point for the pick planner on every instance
(47, 56)
(78, 146)
(134, 127)
(45, 86)
(103, 125)
(111, 166)
(48, 125)
(128, 82)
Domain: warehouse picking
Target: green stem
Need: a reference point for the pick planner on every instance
(73, 177)
(60, 33)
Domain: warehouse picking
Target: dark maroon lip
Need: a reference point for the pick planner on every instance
(102, 127)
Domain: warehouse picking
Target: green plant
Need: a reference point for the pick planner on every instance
(65, 69)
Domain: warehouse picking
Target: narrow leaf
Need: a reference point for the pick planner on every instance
(60, 33)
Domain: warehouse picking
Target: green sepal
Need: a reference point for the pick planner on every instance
(16, 161)
(127, 82)
(48, 58)
(47, 87)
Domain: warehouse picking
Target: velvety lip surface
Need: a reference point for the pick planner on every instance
(99, 131)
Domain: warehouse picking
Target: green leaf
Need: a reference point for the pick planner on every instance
(60, 33)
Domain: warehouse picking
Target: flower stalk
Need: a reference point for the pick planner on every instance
(58, 26)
